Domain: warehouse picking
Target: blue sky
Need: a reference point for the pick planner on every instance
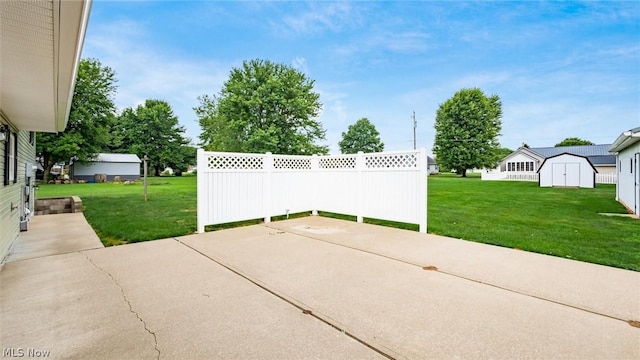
(561, 69)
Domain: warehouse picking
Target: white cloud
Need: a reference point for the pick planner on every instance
(146, 72)
(300, 64)
(318, 18)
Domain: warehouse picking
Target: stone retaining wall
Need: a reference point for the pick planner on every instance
(58, 205)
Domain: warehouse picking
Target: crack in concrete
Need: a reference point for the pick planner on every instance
(126, 300)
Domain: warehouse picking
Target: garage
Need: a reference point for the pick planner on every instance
(567, 170)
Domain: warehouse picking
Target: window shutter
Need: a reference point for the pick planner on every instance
(7, 148)
(15, 158)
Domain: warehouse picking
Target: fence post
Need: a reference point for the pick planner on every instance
(266, 194)
(315, 166)
(422, 190)
(360, 165)
(201, 201)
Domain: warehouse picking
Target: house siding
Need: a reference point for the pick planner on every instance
(13, 193)
(626, 191)
(609, 169)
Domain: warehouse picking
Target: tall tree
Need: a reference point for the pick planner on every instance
(91, 114)
(361, 136)
(573, 141)
(502, 153)
(263, 106)
(467, 128)
(152, 129)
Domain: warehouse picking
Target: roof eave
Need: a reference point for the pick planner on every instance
(71, 21)
(625, 140)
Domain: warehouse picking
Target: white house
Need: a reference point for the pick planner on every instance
(432, 166)
(41, 46)
(524, 163)
(627, 147)
(567, 170)
(126, 166)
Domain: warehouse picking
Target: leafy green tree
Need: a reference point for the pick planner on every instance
(467, 128)
(263, 106)
(573, 141)
(152, 129)
(502, 153)
(91, 114)
(361, 136)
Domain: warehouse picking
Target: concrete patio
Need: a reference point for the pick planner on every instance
(313, 288)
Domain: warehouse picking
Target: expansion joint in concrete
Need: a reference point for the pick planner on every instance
(126, 300)
(387, 353)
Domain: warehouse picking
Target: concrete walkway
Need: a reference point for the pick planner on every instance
(53, 235)
(317, 288)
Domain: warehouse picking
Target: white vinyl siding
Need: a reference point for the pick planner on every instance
(628, 175)
(12, 194)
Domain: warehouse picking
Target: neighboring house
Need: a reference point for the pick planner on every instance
(125, 166)
(627, 147)
(524, 163)
(567, 170)
(41, 46)
(432, 166)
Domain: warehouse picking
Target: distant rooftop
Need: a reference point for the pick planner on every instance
(118, 158)
(582, 150)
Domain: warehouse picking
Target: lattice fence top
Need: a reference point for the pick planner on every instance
(239, 161)
(292, 163)
(334, 162)
(235, 162)
(395, 161)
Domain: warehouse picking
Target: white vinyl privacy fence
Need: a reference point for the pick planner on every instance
(388, 186)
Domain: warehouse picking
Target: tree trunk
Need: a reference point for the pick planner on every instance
(157, 170)
(464, 173)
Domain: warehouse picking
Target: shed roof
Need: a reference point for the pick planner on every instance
(117, 158)
(566, 153)
(431, 161)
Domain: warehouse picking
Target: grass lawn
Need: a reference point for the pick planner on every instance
(119, 214)
(560, 222)
(556, 221)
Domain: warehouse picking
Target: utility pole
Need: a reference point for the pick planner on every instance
(415, 124)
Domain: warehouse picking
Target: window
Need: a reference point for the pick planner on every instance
(32, 137)
(521, 166)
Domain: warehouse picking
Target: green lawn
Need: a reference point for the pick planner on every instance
(119, 214)
(561, 222)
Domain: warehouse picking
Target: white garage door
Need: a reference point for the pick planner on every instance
(565, 174)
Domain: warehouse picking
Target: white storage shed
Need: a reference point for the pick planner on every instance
(567, 170)
(126, 166)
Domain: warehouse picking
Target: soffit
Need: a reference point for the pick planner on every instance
(40, 44)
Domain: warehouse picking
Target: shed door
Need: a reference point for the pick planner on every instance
(572, 172)
(565, 174)
(557, 175)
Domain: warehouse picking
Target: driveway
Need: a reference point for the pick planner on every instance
(317, 288)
